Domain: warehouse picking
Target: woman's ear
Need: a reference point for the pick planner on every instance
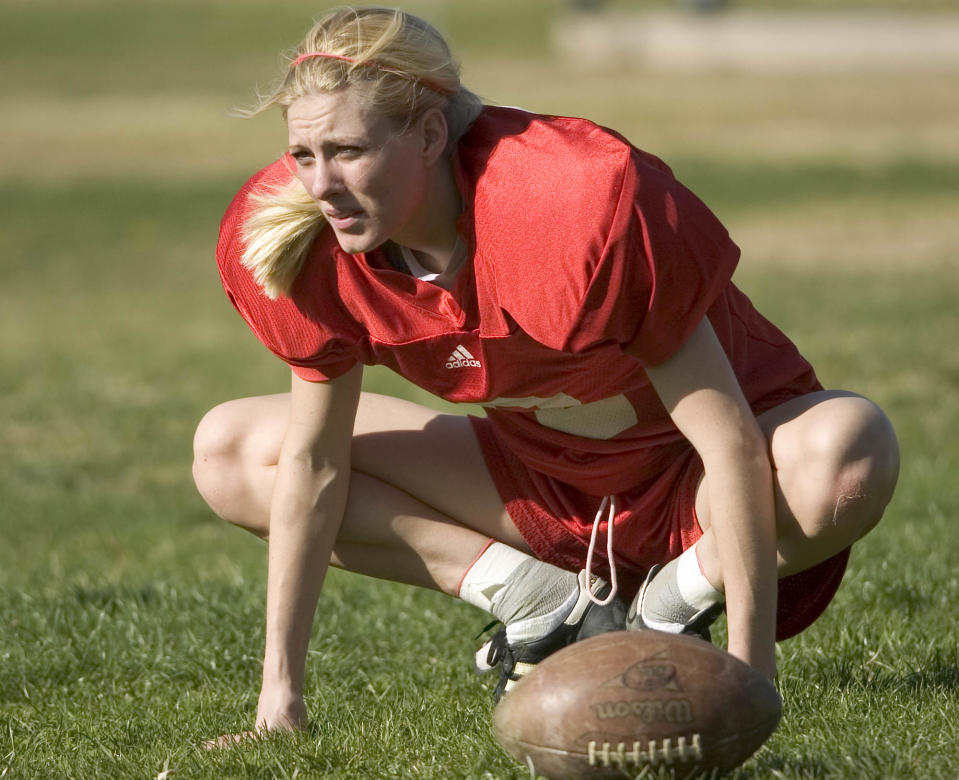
(435, 133)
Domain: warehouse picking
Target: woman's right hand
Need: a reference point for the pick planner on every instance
(310, 489)
(279, 709)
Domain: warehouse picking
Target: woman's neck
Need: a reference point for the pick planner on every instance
(433, 237)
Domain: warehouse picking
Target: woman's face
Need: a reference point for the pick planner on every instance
(368, 178)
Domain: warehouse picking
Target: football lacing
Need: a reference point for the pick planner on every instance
(665, 753)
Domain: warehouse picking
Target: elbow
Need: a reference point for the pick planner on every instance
(746, 448)
(314, 456)
(312, 474)
(321, 472)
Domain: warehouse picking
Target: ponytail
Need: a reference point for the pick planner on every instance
(277, 235)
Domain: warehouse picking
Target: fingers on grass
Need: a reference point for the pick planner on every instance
(230, 740)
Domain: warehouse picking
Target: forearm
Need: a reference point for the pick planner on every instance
(742, 513)
(305, 516)
(702, 395)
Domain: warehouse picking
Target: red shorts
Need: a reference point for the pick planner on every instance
(651, 526)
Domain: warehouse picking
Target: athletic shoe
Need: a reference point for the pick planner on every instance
(585, 619)
(697, 625)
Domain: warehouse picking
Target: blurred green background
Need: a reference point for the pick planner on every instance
(116, 162)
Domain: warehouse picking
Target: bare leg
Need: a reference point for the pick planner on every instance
(836, 462)
(421, 503)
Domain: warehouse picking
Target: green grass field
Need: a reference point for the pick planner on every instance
(131, 618)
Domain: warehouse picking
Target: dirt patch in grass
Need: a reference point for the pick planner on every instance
(853, 118)
(862, 234)
(787, 119)
(162, 137)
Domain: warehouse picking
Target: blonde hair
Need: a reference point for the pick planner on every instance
(401, 65)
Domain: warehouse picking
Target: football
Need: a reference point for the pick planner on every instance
(614, 704)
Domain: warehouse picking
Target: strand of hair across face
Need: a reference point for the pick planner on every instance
(373, 64)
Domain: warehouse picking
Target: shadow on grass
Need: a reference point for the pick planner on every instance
(942, 676)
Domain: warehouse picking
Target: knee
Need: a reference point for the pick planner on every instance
(217, 447)
(855, 453)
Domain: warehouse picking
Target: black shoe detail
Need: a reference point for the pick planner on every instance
(586, 619)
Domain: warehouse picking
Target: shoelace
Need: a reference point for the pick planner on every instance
(611, 502)
(498, 649)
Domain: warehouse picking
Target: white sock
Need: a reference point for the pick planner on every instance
(519, 590)
(539, 625)
(487, 575)
(696, 590)
(678, 592)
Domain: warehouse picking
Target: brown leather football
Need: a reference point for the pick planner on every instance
(616, 703)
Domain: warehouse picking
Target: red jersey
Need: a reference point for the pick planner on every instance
(587, 262)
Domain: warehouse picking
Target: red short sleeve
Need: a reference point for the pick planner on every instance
(318, 345)
(667, 258)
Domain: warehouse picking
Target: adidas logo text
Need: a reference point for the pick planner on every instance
(461, 358)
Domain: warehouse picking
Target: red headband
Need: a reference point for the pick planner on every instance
(373, 64)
